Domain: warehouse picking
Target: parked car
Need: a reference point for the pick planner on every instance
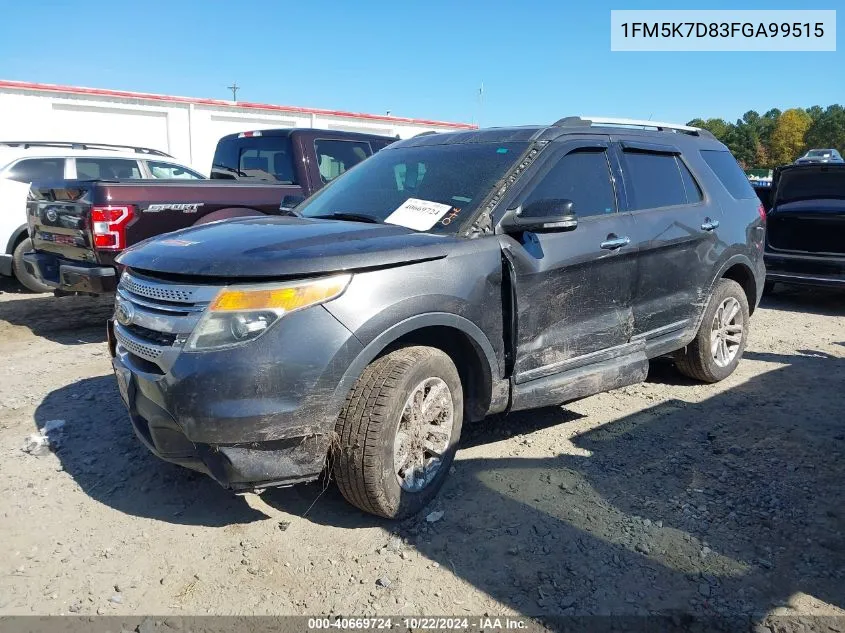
(25, 162)
(447, 278)
(820, 156)
(78, 228)
(805, 241)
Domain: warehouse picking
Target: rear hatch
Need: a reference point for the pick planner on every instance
(808, 211)
(59, 220)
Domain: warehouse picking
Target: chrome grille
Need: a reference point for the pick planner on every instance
(147, 352)
(160, 316)
(156, 290)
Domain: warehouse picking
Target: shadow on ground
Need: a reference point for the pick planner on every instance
(100, 451)
(727, 507)
(66, 320)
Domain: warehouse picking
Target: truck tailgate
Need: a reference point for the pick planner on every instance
(59, 221)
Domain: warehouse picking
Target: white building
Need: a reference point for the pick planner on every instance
(187, 128)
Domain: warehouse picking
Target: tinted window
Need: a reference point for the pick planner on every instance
(654, 180)
(264, 158)
(459, 175)
(728, 171)
(35, 169)
(691, 187)
(169, 170)
(582, 176)
(335, 157)
(106, 168)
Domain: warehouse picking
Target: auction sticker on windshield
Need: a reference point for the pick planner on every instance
(419, 215)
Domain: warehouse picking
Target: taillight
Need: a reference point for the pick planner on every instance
(762, 211)
(108, 225)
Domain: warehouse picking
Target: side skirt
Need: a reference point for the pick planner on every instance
(582, 381)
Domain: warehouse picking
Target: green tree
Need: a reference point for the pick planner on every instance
(787, 141)
(828, 130)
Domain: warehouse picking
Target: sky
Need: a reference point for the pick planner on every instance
(537, 61)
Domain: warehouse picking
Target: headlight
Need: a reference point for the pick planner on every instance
(243, 313)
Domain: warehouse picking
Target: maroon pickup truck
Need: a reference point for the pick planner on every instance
(79, 227)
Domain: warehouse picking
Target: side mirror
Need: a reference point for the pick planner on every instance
(551, 214)
(290, 202)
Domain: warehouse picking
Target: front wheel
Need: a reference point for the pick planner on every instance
(717, 348)
(398, 432)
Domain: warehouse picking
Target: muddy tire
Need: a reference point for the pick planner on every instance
(720, 342)
(29, 281)
(398, 432)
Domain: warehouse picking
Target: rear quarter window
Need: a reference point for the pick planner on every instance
(729, 173)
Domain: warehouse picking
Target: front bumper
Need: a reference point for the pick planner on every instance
(70, 276)
(807, 270)
(253, 416)
(6, 265)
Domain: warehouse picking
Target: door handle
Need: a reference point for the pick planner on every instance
(709, 225)
(615, 242)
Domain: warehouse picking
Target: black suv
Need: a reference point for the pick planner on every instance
(448, 277)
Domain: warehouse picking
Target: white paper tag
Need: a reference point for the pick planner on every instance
(419, 215)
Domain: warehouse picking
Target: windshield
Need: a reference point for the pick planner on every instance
(434, 188)
(811, 185)
(262, 158)
(818, 152)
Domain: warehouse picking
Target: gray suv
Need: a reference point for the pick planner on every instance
(447, 278)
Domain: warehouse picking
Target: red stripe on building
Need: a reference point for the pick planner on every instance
(125, 94)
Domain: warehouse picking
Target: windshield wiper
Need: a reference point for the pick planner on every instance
(353, 217)
(231, 170)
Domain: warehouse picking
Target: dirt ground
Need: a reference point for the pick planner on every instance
(665, 497)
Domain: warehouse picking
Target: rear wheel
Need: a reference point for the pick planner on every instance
(718, 346)
(398, 432)
(28, 280)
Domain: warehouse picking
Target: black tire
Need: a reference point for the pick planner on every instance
(768, 287)
(363, 459)
(29, 281)
(697, 359)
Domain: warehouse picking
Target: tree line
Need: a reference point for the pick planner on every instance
(777, 138)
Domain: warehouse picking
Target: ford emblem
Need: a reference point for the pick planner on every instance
(124, 313)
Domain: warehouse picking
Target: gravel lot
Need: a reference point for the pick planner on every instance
(663, 497)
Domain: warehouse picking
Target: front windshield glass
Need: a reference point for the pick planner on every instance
(818, 152)
(433, 188)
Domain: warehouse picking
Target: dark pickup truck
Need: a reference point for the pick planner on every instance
(805, 236)
(79, 227)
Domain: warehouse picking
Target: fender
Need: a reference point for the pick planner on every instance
(411, 324)
(15, 238)
(227, 213)
(736, 258)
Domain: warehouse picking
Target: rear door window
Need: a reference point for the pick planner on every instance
(582, 176)
(729, 172)
(107, 168)
(654, 180)
(335, 157)
(37, 169)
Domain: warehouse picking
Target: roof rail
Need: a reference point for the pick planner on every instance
(74, 145)
(587, 121)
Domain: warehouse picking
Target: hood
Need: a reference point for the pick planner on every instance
(282, 246)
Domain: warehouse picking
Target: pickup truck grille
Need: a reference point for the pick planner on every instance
(153, 318)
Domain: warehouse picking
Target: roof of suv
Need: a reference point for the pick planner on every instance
(652, 130)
